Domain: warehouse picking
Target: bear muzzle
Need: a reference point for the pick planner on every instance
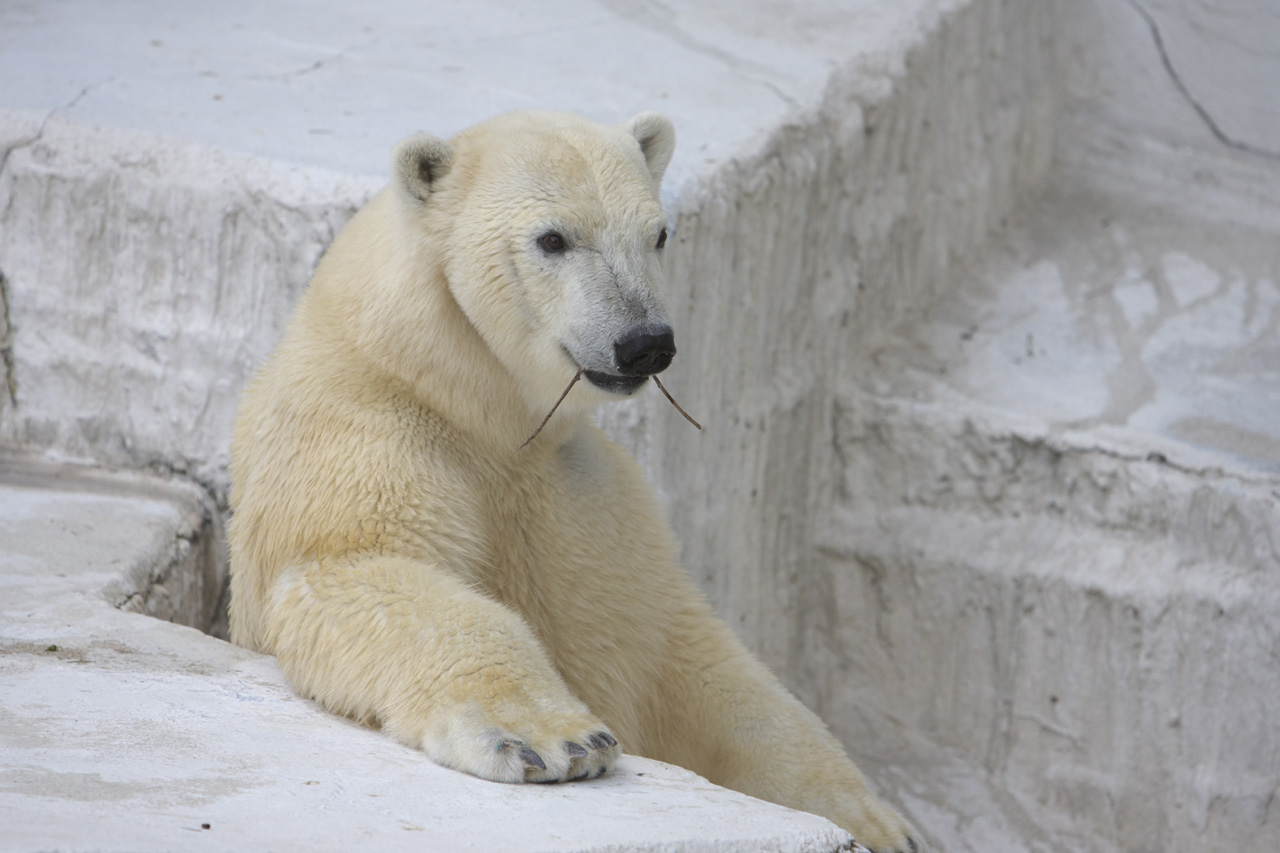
(637, 356)
(644, 353)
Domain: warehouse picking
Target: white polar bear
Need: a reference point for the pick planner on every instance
(516, 614)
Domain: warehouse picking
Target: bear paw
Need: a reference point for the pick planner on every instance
(879, 829)
(563, 751)
(587, 761)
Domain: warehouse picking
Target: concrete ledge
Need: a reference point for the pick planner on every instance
(121, 732)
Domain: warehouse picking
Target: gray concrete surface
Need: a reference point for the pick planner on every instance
(976, 300)
(170, 176)
(121, 732)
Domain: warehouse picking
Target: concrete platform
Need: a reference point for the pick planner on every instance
(976, 300)
(122, 732)
(1147, 331)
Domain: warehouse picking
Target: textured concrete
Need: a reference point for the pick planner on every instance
(976, 300)
(1143, 331)
(119, 732)
(1168, 99)
(999, 468)
(1053, 545)
(166, 191)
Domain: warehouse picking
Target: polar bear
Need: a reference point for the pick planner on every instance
(515, 612)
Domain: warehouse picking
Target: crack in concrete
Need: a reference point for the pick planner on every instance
(659, 18)
(24, 143)
(44, 122)
(1181, 86)
(777, 90)
(319, 63)
(6, 342)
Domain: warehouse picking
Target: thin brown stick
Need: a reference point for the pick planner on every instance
(572, 382)
(674, 403)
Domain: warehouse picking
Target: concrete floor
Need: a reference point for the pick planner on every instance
(122, 732)
(1151, 331)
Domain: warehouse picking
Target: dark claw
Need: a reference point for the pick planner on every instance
(602, 740)
(600, 772)
(576, 750)
(531, 758)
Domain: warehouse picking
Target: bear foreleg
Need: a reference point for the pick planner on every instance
(745, 731)
(439, 666)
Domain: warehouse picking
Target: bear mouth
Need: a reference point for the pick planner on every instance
(613, 383)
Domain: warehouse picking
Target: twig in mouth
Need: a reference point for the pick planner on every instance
(572, 382)
(674, 403)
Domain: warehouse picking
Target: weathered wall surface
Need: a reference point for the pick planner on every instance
(1097, 631)
(793, 260)
(147, 278)
(1094, 629)
(1094, 625)
(162, 203)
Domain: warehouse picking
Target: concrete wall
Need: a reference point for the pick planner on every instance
(794, 263)
(148, 278)
(1094, 629)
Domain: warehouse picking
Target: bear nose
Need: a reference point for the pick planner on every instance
(645, 353)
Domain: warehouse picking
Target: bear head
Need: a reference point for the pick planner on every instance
(550, 233)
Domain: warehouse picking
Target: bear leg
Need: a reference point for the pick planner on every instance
(742, 729)
(439, 666)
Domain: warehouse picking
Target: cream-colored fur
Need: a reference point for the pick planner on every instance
(515, 613)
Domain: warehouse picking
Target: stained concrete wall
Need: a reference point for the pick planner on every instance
(1092, 627)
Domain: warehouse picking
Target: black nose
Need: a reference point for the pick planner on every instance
(645, 353)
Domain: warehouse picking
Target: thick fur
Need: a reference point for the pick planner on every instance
(514, 613)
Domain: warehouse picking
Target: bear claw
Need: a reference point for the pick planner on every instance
(602, 740)
(531, 758)
(575, 749)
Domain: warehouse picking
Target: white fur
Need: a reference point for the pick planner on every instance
(412, 569)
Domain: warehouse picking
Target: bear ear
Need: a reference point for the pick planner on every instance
(418, 162)
(657, 138)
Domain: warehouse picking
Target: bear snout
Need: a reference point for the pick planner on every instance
(645, 352)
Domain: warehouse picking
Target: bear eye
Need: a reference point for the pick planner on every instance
(662, 239)
(552, 243)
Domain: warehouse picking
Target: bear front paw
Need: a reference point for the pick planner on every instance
(584, 762)
(876, 828)
(557, 750)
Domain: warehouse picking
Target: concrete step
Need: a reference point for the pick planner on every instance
(1150, 331)
(1069, 468)
(1096, 631)
(122, 732)
(1057, 530)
